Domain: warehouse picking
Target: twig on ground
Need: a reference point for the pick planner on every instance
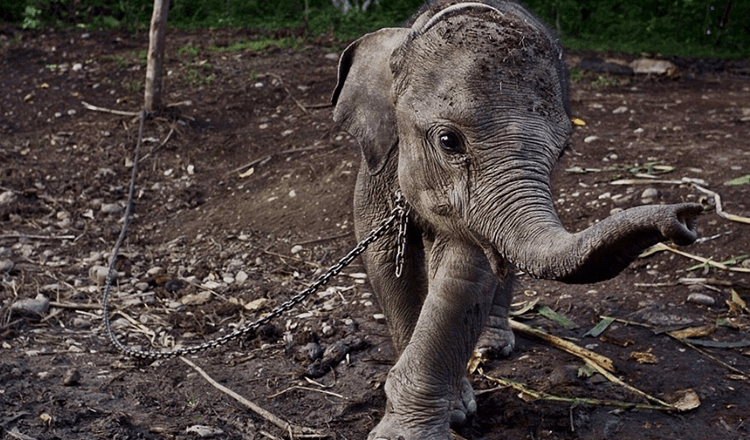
(107, 110)
(612, 378)
(540, 395)
(289, 92)
(160, 146)
(269, 156)
(319, 240)
(710, 356)
(719, 210)
(75, 306)
(299, 387)
(602, 361)
(38, 237)
(658, 247)
(323, 105)
(294, 430)
(15, 434)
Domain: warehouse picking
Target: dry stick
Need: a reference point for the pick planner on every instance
(269, 156)
(719, 210)
(615, 379)
(164, 142)
(39, 237)
(602, 361)
(300, 387)
(107, 110)
(75, 306)
(294, 430)
(663, 247)
(281, 82)
(540, 395)
(713, 358)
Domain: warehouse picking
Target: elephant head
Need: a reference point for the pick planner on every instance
(472, 103)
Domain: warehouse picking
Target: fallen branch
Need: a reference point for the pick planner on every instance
(612, 378)
(602, 361)
(719, 210)
(107, 110)
(293, 430)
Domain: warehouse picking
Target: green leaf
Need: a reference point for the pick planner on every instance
(744, 180)
(601, 327)
(554, 316)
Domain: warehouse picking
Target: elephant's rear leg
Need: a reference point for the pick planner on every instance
(498, 340)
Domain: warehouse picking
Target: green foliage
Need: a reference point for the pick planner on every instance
(671, 27)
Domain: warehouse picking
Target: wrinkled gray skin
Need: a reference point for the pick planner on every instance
(466, 112)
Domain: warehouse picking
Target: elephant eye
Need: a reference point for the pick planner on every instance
(451, 142)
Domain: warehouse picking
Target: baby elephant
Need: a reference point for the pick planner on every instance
(465, 112)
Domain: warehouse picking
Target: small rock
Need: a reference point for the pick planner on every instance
(590, 139)
(6, 266)
(142, 286)
(296, 249)
(379, 317)
(332, 56)
(649, 195)
(327, 329)
(77, 67)
(701, 298)
(648, 66)
(241, 277)
(7, 197)
(212, 285)
(98, 274)
(155, 271)
(81, 323)
(111, 208)
(71, 377)
(620, 110)
(196, 298)
(257, 304)
(205, 431)
(36, 307)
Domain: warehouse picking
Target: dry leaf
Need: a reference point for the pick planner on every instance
(692, 332)
(644, 357)
(577, 121)
(736, 304)
(256, 304)
(686, 400)
(196, 298)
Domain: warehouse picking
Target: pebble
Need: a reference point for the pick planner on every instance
(257, 304)
(98, 274)
(31, 307)
(142, 286)
(379, 317)
(71, 377)
(81, 323)
(296, 249)
(7, 197)
(155, 271)
(6, 266)
(111, 208)
(590, 139)
(241, 277)
(619, 110)
(312, 351)
(701, 298)
(332, 56)
(204, 431)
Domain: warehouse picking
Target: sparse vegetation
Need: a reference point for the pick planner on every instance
(705, 28)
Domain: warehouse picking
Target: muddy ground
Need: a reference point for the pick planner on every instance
(227, 214)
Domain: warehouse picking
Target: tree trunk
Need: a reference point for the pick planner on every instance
(154, 86)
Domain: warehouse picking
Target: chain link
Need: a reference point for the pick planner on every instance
(399, 212)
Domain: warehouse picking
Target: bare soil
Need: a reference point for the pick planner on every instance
(204, 222)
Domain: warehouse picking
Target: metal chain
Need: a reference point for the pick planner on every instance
(399, 212)
(401, 240)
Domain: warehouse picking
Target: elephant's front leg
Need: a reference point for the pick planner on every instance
(430, 373)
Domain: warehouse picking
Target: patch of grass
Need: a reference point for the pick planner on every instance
(134, 86)
(604, 81)
(188, 49)
(119, 61)
(260, 45)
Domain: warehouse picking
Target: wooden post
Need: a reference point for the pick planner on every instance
(153, 93)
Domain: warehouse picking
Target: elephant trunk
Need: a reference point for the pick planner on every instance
(532, 237)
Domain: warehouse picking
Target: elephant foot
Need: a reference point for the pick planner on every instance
(392, 427)
(496, 342)
(465, 405)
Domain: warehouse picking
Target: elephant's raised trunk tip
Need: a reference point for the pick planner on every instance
(603, 250)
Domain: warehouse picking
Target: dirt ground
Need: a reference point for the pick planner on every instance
(230, 222)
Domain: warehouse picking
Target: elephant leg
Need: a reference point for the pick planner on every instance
(498, 340)
(430, 375)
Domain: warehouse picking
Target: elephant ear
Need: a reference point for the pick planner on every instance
(363, 101)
